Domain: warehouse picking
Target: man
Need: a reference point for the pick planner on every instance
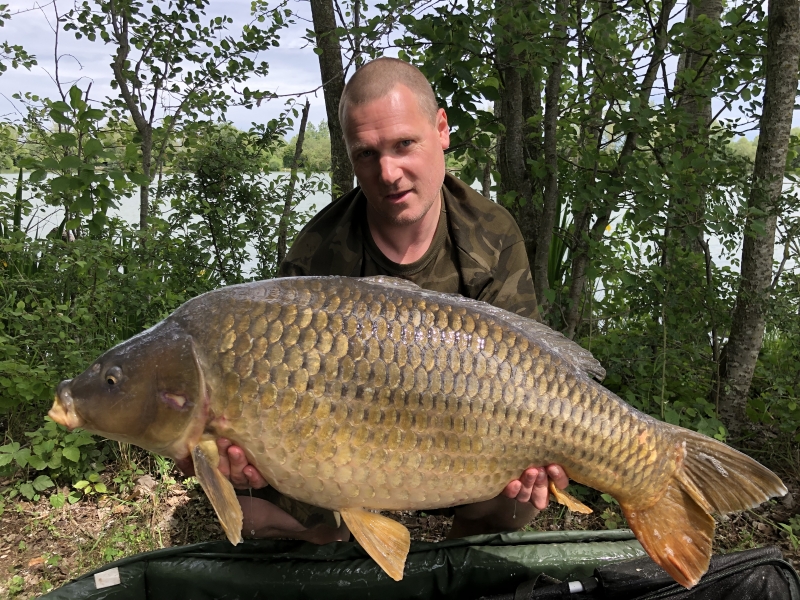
(408, 219)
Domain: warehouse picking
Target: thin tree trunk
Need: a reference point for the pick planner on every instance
(486, 180)
(685, 253)
(330, 68)
(749, 318)
(144, 190)
(511, 145)
(592, 134)
(580, 254)
(528, 215)
(519, 111)
(145, 128)
(358, 60)
(694, 98)
(550, 205)
(283, 227)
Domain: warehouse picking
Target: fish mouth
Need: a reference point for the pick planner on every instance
(63, 411)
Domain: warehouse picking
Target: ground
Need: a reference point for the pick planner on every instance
(42, 547)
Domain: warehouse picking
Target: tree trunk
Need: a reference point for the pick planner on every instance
(519, 111)
(747, 327)
(591, 144)
(330, 68)
(144, 190)
(529, 214)
(511, 144)
(580, 253)
(694, 100)
(685, 252)
(551, 198)
(283, 227)
(143, 126)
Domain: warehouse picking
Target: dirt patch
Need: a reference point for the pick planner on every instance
(42, 548)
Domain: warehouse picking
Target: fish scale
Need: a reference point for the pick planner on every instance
(365, 394)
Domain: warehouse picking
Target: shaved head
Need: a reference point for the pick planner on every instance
(379, 77)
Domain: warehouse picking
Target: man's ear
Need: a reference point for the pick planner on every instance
(443, 128)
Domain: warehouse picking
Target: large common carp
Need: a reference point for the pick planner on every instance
(365, 394)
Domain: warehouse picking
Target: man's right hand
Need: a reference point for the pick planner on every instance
(233, 465)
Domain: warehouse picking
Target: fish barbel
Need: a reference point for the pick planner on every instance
(373, 394)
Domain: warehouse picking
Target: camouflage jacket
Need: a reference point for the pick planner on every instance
(477, 250)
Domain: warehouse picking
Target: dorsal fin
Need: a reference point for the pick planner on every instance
(565, 347)
(395, 282)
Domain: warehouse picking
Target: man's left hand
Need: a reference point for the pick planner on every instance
(532, 486)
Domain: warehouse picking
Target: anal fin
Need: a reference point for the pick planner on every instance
(571, 502)
(385, 540)
(218, 489)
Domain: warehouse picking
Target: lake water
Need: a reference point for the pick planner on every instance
(46, 218)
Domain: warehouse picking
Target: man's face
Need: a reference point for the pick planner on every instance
(397, 155)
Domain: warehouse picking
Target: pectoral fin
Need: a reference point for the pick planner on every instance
(385, 540)
(218, 489)
(570, 502)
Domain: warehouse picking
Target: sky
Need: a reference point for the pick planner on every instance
(294, 67)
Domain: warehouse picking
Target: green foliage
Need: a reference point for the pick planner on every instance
(316, 156)
(792, 531)
(226, 209)
(14, 53)
(15, 585)
(53, 454)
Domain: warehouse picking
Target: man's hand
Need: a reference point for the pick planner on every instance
(532, 486)
(233, 465)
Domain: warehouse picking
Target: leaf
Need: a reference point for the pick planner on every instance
(37, 175)
(61, 184)
(100, 488)
(71, 453)
(95, 114)
(42, 482)
(65, 139)
(93, 147)
(80, 484)
(71, 162)
(138, 179)
(57, 500)
(37, 462)
(26, 489)
(76, 97)
(61, 118)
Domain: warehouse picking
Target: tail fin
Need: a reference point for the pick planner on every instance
(676, 530)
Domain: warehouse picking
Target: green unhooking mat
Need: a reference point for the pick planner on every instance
(574, 565)
(277, 570)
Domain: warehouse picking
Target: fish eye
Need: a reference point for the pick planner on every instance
(113, 375)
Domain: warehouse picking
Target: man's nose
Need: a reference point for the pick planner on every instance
(390, 169)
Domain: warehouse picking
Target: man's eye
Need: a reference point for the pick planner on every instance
(366, 153)
(406, 143)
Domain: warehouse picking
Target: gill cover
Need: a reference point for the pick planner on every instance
(148, 391)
